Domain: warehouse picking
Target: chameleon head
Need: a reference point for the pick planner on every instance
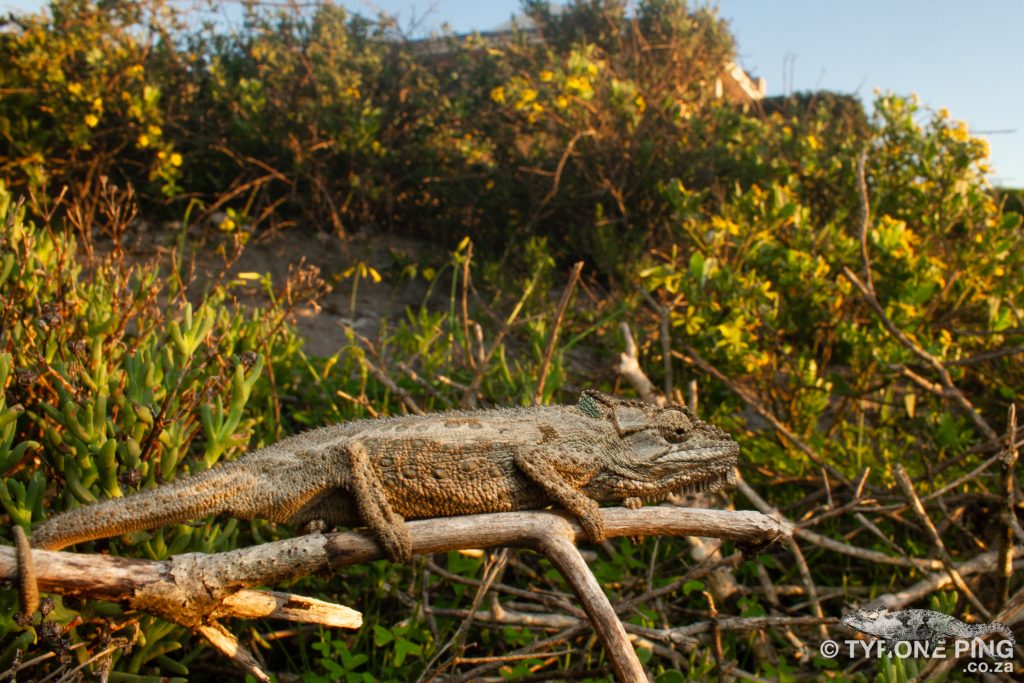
(663, 450)
(870, 621)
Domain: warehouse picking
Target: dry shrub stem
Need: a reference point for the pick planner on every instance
(918, 507)
(549, 351)
(194, 590)
(948, 388)
(1008, 512)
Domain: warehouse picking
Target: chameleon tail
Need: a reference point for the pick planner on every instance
(1003, 629)
(996, 627)
(207, 493)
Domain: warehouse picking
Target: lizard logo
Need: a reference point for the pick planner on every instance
(918, 625)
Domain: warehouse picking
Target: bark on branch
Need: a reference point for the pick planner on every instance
(195, 589)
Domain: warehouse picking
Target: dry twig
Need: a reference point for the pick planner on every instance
(195, 590)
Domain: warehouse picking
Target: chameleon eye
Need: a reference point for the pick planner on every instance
(673, 425)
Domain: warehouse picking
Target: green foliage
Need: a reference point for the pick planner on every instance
(594, 137)
(121, 384)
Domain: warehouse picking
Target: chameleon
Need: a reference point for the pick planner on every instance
(918, 625)
(380, 472)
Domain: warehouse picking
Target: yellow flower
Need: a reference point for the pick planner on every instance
(75, 88)
(154, 130)
(176, 159)
(143, 141)
(135, 70)
(959, 133)
(526, 96)
(640, 103)
(92, 120)
(578, 85)
(812, 142)
(546, 76)
(943, 113)
(562, 102)
(498, 94)
(97, 104)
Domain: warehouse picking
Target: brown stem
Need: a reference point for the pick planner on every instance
(562, 553)
(192, 589)
(949, 389)
(752, 400)
(574, 277)
(1009, 461)
(915, 503)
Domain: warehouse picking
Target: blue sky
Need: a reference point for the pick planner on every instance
(964, 56)
(954, 54)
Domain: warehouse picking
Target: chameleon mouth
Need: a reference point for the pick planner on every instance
(705, 453)
(701, 483)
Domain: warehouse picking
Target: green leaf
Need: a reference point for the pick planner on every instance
(381, 635)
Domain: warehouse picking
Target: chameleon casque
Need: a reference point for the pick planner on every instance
(381, 472)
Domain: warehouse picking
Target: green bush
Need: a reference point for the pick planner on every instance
(594, 138)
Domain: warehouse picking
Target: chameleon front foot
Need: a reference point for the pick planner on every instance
(28, 589)
(396, 541)
(593, 524)
(374, 509)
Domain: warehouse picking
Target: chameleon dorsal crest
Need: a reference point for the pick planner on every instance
(589, 406)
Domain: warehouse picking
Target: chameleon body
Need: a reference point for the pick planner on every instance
(381, 472)
(918, 625)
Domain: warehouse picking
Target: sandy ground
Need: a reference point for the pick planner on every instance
(321, 326)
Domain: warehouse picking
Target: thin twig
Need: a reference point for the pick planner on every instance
(466, 340)
(752, 400)
(1009, 461)
(574, 277)
(950, 389)
(865, 219)
(665, 322)
(469, 396)
(492, 570)
(908, 489)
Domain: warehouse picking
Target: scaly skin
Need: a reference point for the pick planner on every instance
(380, 472)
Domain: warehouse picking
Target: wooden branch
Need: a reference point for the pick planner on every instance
(195, 589)
(918, 507)
(629, 367)
(563, 553)
(830, 543)
(985, 563)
